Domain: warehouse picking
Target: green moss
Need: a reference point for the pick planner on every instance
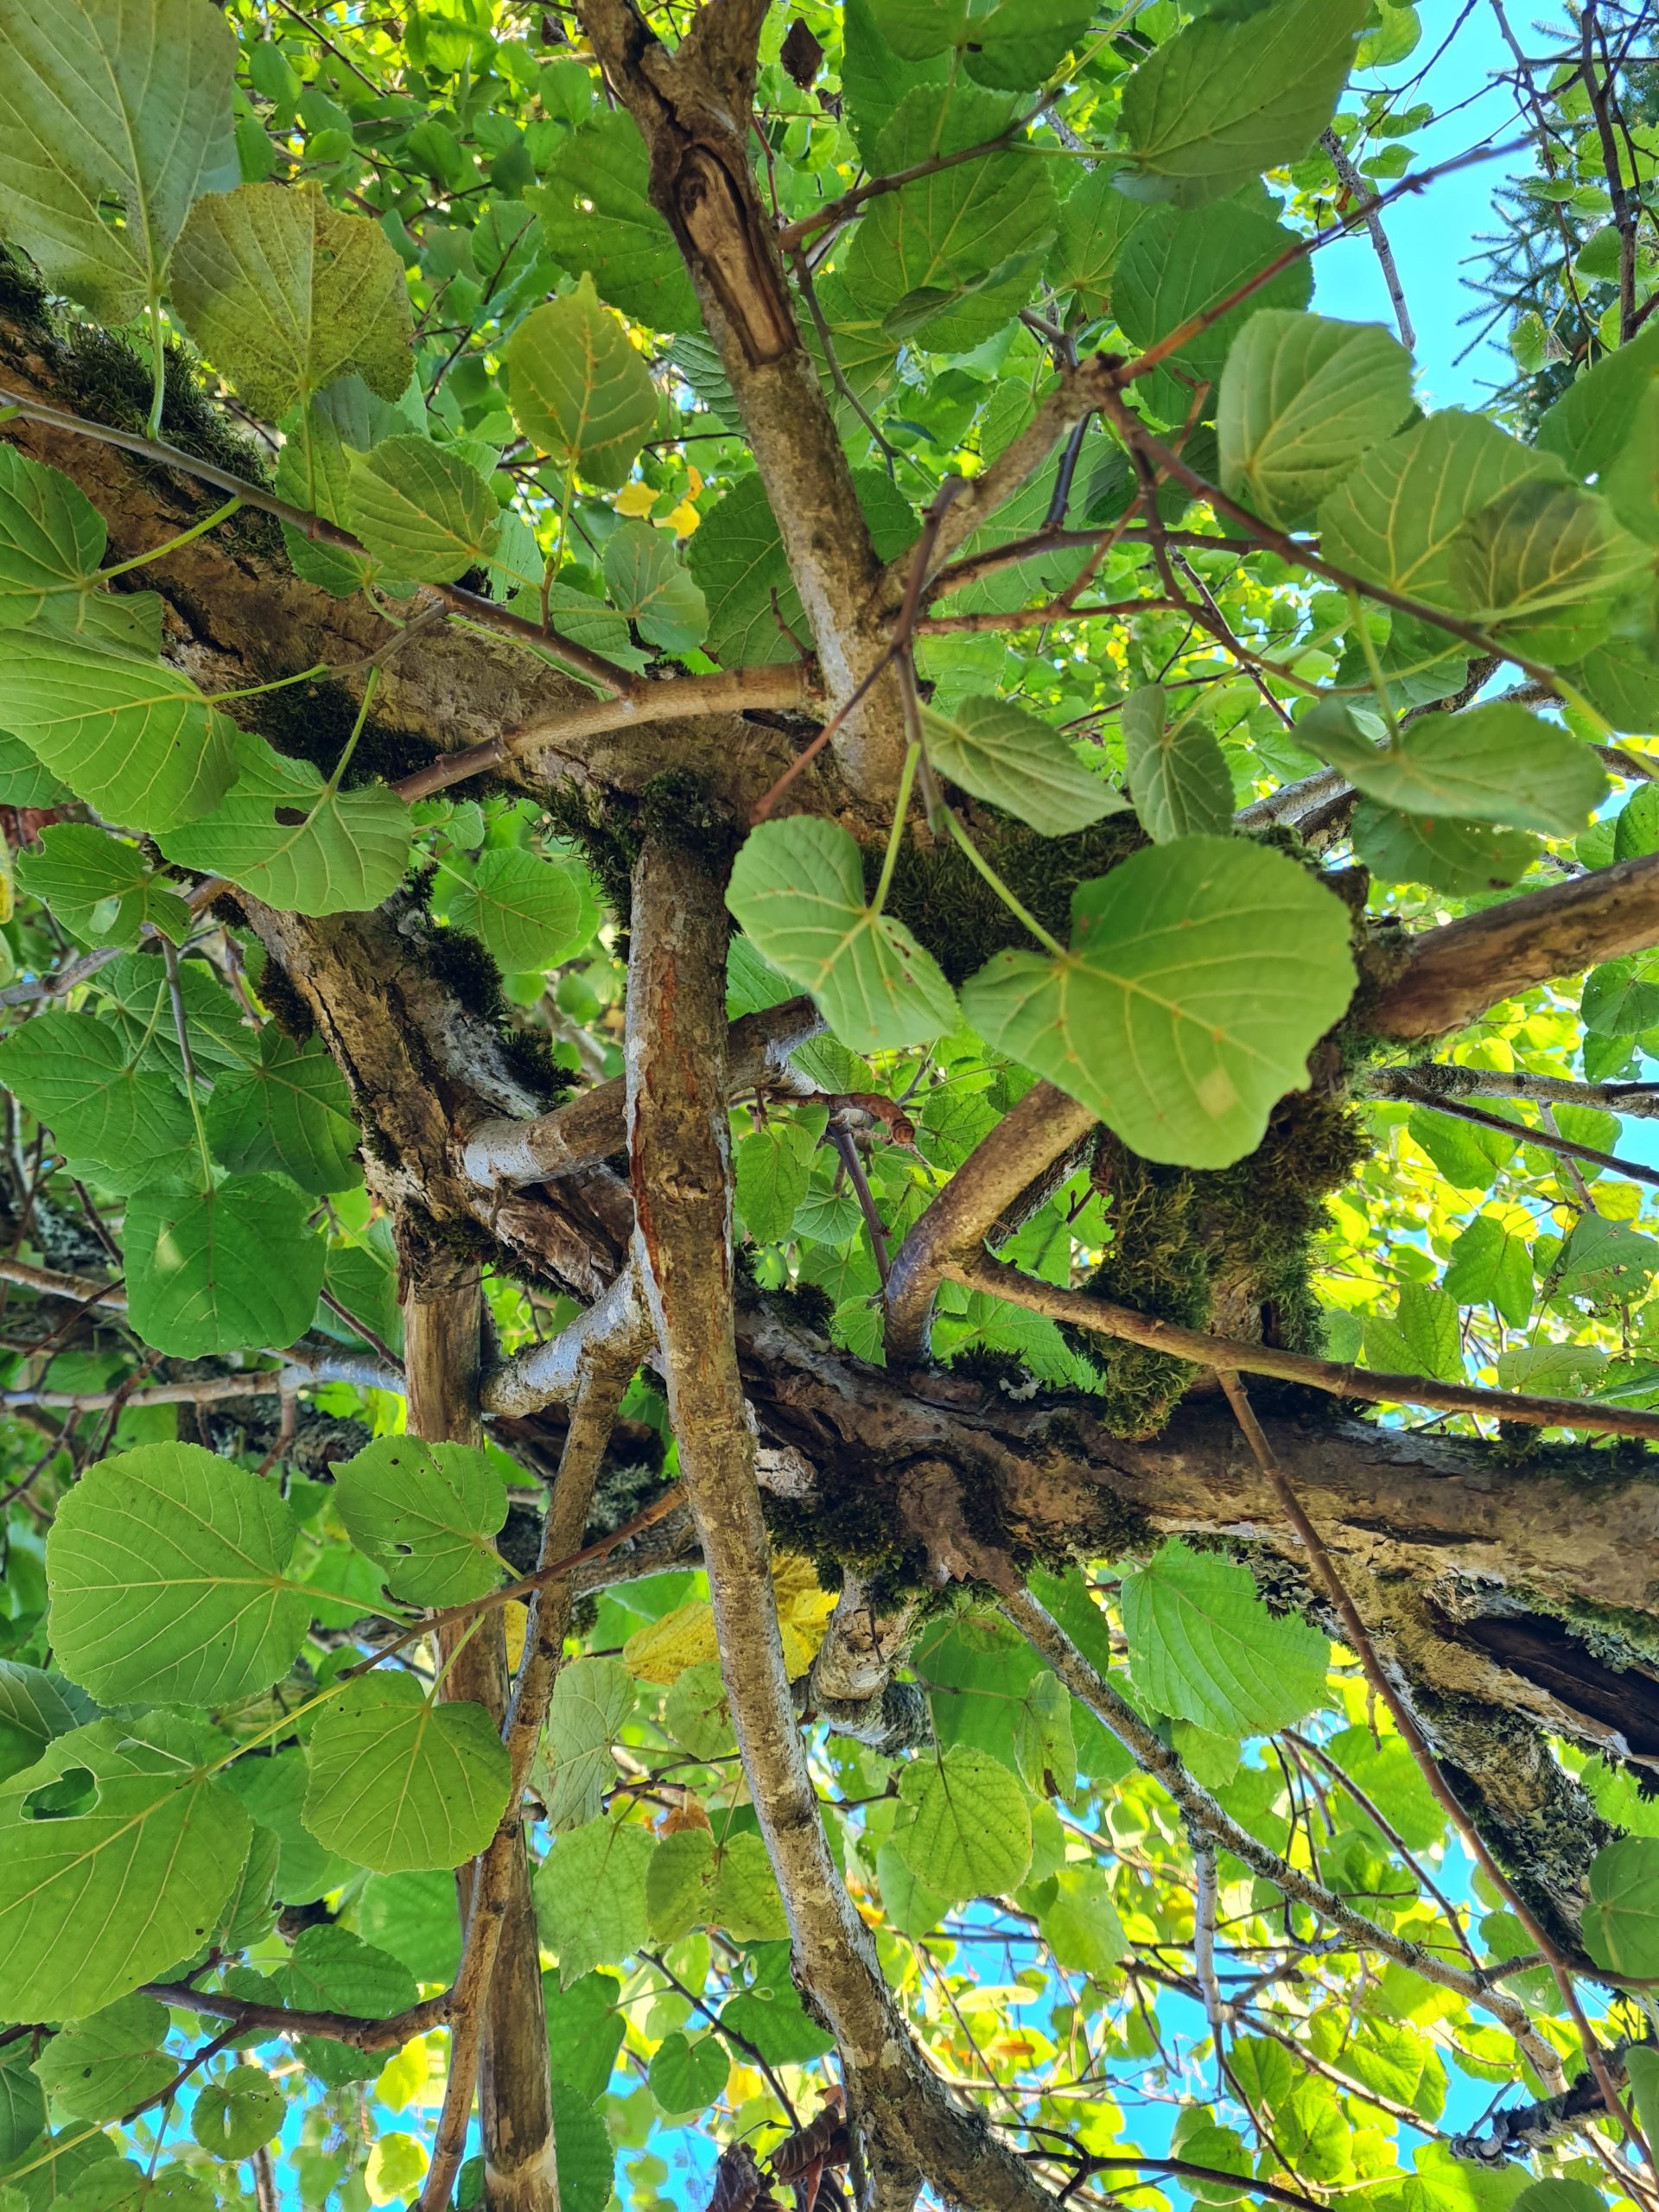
(528, 1053)
(955, 914)
(1179, 1237)
(466, 964)
(24, 297)
(609, 830)
(680, 809)
(285, 1003)
(314, 721)
(606, 833)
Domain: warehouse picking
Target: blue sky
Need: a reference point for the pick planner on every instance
(1433, 233)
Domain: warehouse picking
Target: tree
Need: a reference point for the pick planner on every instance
(819, 1318)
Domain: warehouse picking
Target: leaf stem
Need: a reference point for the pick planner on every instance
(344, 759)
(280, 684)
(1051, 945)
(158, 552)
(170, 956)
(896, 835)
(158, 356)
(1379, 682)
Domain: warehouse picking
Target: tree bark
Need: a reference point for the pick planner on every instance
(442, 1319)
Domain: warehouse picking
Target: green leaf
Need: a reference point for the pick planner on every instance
(1642, 2068)
(583, 2155)
(738, 562)
(1495, 763)
(769, 2015)
(1607, 1261)
(532, 910)
(797, 890)
(22, 2110)
(650, 584)
(105, 108)
(100, 888)
(1469, 1157)
(1203, 1647)
(1082, 1928)
(1423, 1337)
(1621, 997)
(1015, 43)
(999, 752)
(591, 1700)
(773, 1172)
(285, 293)
(1215, 105)
(969, 1831)
(138, 743)
(1524, 565)
(1302, 400)
(23, 782)
(686, 2077)
(138, 1005)
(1177, 773)
(314, 471)
(584, 2031)
(425, 1513)
(400, 1783)
(166, 1566)
(1096, 219)
(329, 1970)
(422, 510)
(579, 390)
(74, 1073)
(1491, 1264)
(1621, 1921)
(228, 1269)
(52, 538)
(289, 1113)
(298, 843)
(35, 1706)
(1394, 519)
(124, 1876)
(412, 1917)
(921, 256)
(101, 2067)
(1458, 857)
(1591, 423)
(232, 2117)
(695, 1881)
(696, 1715)
(590, 1896)
(1179, 264)
(597, 219)
(273, 1791)
(1202, 974)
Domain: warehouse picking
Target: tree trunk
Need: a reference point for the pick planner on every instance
(443, 1311)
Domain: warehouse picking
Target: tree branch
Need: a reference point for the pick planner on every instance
(1355, 185)
(497, 2032)
(678, 1154)
(1336, 1377)
(1549, 1139)
(591, 1128)
(692, 106)
(390, 2034)
(1043, 1127)
(1452, 974)
(1153, 1757)
(1447, 1079)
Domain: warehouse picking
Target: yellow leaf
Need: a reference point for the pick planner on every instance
(404, 2076)
(662, 1651)
(635, 500)
(684, 520)
(514, 1619)
(397, 2165)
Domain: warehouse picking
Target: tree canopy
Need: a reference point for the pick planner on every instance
(829, 1352)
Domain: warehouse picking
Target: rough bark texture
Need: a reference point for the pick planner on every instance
(440, 1332)
(679, 1166)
